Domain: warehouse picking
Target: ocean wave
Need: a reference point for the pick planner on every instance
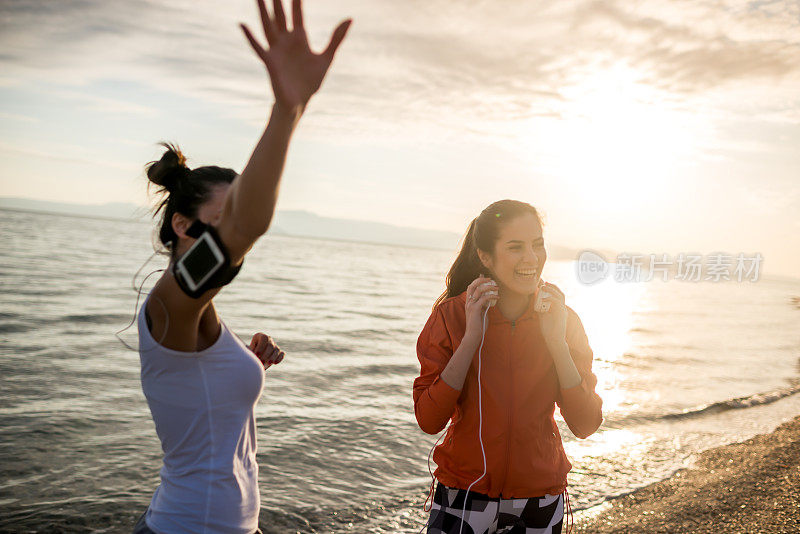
(15, 328)
(371, 333)
(738, 403)
(96, 318)
(317, 347)
(388, 370)
(641, 330)
(19, 291)
(375, 315)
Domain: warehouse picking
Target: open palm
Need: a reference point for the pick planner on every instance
(296, 72)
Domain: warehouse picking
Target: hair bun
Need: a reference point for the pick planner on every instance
(169, 170)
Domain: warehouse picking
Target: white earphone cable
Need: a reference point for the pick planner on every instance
(480, 423)
(480, 429)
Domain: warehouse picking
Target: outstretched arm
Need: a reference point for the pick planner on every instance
(296, 73)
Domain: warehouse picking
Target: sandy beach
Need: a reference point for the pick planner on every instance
(748, 487)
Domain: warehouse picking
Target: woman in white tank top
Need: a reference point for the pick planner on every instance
(201, 382)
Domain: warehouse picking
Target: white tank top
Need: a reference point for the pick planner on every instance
(202, 404)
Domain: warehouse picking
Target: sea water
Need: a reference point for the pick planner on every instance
(681, 367)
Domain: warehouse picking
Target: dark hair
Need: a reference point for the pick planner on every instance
(482, 235)
(183, 190)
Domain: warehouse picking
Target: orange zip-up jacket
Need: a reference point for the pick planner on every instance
(524, 454)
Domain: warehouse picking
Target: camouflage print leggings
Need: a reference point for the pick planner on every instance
(484, 515)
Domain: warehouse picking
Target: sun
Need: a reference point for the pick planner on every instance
(617, 140)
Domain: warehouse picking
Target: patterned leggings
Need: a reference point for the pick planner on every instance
(484, 515)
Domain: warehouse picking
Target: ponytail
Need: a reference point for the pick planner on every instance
(466, 267)
(482, 235)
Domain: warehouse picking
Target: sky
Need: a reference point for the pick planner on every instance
(639, 126)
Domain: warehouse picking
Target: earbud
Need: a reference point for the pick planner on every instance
(539, 305)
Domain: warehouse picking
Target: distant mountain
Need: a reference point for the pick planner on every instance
(114, 210)
(297, 223)
(292, 223)
(305, 223)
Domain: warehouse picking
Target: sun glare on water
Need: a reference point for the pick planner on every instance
(607, 312)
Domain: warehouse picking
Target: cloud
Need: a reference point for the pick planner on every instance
(684, 53)
(455, 64)
(18, 117)
(101, 104)
(65, 152)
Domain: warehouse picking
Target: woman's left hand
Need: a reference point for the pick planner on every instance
(266, 350)
(553, 322)
(296, 71)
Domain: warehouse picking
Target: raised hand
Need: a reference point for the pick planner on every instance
(296, 72)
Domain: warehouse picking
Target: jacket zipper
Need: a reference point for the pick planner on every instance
(510, 407)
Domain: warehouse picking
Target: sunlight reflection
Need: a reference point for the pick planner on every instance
(607, 312)
(605, 443)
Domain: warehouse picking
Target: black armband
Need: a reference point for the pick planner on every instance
(206, 265)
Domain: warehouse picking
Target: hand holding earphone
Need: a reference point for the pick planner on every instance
(552, 313)
(481, 294)
(541, 305)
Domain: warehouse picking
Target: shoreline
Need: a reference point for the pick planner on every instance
(751, 486)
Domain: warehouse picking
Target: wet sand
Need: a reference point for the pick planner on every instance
(747, 487)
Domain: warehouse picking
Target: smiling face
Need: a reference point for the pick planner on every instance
(518, 257)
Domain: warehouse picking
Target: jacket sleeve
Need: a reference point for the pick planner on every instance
(580, 405)
(434, 399)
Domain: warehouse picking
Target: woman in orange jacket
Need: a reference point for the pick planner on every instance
(497, 367)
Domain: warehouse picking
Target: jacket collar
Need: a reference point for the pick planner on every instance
(495, 317)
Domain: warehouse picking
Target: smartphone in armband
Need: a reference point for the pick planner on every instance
(200, 262)
(206, 265)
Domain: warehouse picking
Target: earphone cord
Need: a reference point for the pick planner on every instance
(480, 422)
(480, 438)
(568, 512)
(136, 305)
(425, 507)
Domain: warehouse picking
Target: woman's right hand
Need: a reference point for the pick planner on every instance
(481, 294)
(296, 72)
